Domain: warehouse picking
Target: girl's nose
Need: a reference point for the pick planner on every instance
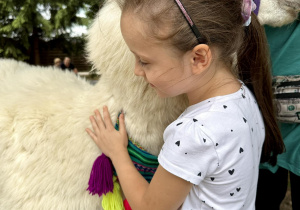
(138, 71)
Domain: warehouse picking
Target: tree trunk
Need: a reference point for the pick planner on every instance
(35, 47)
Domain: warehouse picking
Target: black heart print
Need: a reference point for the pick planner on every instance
(231, 171)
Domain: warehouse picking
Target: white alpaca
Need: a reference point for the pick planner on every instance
(45, 154)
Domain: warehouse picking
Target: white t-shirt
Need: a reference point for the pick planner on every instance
(216, 145)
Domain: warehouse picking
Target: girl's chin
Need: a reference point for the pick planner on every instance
(161, 94)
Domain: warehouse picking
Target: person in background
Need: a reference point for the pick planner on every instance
(57, 62)
(284, 43)
(67, 65)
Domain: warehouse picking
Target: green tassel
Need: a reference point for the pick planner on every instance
(113, 200)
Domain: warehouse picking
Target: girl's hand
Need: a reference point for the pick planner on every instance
(108, 139)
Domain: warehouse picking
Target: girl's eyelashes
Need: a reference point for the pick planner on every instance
(142, 63)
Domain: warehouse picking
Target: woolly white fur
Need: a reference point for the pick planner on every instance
(45, 154)
(277, 13)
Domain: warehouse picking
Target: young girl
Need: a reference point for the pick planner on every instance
(212, 151)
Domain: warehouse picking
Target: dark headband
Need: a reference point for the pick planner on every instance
(189, 21)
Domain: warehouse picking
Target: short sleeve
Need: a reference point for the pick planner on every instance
(188, 151)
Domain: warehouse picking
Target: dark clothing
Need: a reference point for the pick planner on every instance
(272, 189)
(284, 45)
(70, 68)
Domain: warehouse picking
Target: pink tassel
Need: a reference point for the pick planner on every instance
(126, 205)
(101, 178)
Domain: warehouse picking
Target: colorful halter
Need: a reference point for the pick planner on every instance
(143, 161)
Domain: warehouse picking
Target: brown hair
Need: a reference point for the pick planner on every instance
(221, 25)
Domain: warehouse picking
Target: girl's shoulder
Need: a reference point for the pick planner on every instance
(220, 116)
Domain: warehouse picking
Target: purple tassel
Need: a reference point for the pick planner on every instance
(101, 178)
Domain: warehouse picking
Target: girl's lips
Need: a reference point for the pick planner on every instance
(149, 83)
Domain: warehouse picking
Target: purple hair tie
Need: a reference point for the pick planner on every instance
(247, 7)
(257, 2)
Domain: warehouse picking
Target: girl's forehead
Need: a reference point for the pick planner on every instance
(135, 25)
(138, 36)
(133, 29)
(132, 21)
(133, 33)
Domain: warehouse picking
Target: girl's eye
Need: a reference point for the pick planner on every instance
(142, 63)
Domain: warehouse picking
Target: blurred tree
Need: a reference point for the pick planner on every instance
(24, 23)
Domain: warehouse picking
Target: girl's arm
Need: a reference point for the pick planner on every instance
(166, 191)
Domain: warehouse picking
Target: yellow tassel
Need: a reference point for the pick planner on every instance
(113, 200)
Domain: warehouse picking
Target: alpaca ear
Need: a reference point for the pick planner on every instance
(201, 58)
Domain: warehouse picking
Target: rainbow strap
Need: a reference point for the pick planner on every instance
(143, 161)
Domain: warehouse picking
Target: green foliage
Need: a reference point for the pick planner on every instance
(22, 22)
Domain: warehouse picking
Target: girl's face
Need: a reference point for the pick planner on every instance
(164, 70)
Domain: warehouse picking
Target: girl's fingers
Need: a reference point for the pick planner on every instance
(122, 123)
(91, 134)
(99, 120)
(94, 125)
(106, 117)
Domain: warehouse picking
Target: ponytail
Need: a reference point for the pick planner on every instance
(254, 70)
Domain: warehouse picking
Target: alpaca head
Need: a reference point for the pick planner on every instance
(110, 56)
(106, 48)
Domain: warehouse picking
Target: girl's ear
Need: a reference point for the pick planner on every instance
(201, 58)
